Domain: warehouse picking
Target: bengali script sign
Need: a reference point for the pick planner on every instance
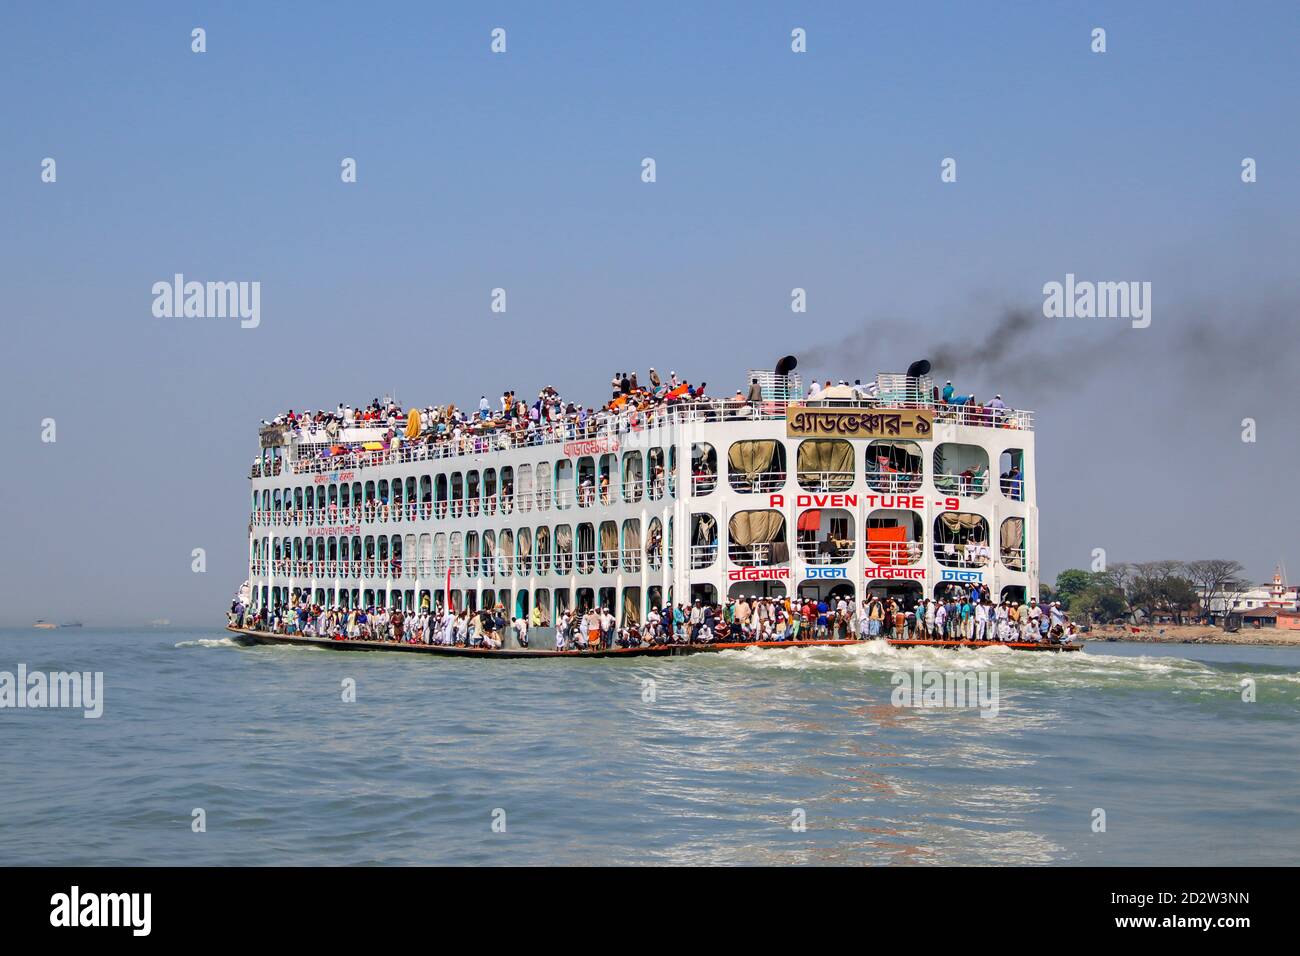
(966, 577)
(759, 574)
(591, 446)
(892, 574)
(814, 574)
(801, 421)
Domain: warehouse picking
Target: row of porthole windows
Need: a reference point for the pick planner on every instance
(590, 548)
(633, 477)
(552, 601)
(756, 538)
(894, 537)
(828, 465)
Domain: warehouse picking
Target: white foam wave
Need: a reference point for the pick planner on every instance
(208, 642)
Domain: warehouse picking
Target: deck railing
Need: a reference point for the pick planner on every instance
(697, 411)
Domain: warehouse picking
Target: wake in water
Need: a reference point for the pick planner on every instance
(1055, 671)
(208, 642)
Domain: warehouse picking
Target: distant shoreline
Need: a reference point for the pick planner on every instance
(1195, 634)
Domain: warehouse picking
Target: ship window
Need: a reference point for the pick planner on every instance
(542, 475)
(506, 552)
(824, 464)
(631, 558)
(757, 538)
(961, 540)
(704, 540)
(542, 601)
(525, 491)
(507, 490)
(471, 553)
(564, 484)
(585, 548)
(524, 551)
(894, 466)
(633, 477)
(608, 554)
(542, 547)
(654, 545)
(756, 466)
(895, 537)
(656, 473)
(704, 469)
(472, 493)
(606, 477)
(563, 549)
(824, 535)
(1011, 544)
(1011, 474)
(632, 605)
(586, 482)
(961, 470)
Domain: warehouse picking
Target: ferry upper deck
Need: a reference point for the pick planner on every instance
(896, 489)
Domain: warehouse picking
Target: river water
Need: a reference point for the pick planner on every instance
(746, 757)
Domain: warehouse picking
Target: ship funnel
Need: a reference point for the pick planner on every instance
(786, 365)
(918, 368)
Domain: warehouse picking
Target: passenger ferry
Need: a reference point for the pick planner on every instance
(888, 490)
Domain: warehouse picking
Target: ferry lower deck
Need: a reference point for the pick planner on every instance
(245, 636)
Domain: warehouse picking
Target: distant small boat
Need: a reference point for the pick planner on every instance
(71, 624)
(160, 622)
(45, 625)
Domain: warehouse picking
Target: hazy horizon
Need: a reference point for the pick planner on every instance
(775, 170)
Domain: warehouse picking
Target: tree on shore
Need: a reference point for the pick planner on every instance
(1161, 587)
(1142, 590)
(1212, 578)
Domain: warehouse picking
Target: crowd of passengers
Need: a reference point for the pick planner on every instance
(960, 613)
(512, 421)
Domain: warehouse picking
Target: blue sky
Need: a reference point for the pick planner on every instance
(522, 171)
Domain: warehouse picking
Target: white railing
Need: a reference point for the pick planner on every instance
(963, 486)
(812, 552)
(691, 411)
(703, 555)
(765, 483)
(893, 481)
(825, 480)
(1012, 558)
(894, 553)
(752, 555)
(631, 559)
(963, 555)
(703, 484)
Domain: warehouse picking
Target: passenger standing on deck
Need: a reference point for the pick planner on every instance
(606, 628)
